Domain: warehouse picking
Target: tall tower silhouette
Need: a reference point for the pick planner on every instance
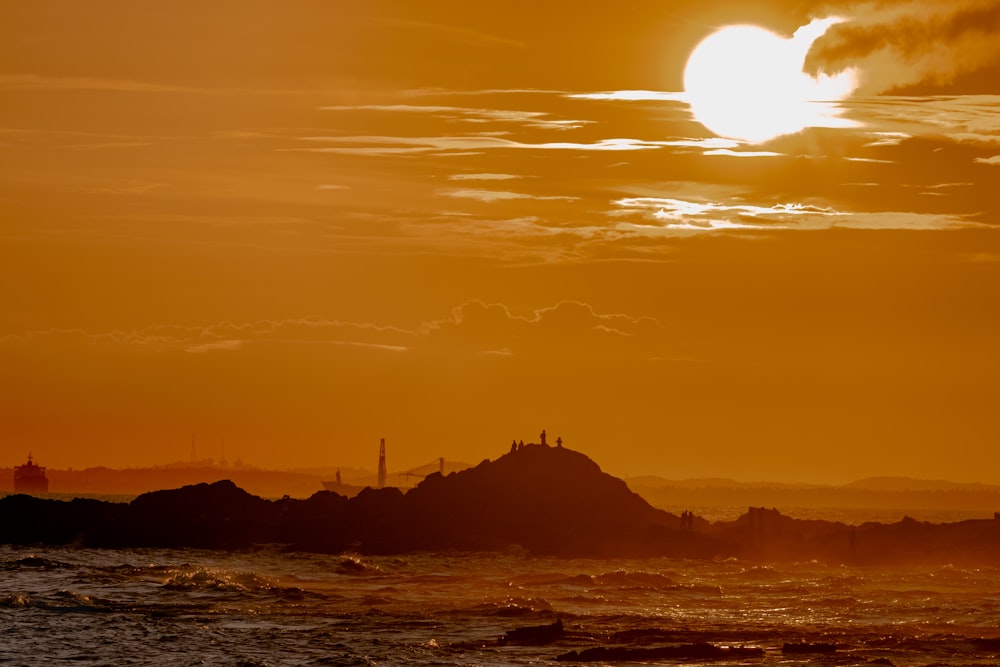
(381, 464)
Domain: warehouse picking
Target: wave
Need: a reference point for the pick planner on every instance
(511, 606)
(33, 562)
(214, 579)
(621, 580)
(353, 564)
(633, 578)
(14, 601)
(60, 601)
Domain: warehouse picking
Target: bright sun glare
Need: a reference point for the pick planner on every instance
(747, 83)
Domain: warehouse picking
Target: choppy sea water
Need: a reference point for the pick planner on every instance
(269, 607)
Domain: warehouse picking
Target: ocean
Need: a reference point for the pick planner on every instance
(270, 607)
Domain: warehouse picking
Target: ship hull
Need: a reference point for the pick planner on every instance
(31, 485)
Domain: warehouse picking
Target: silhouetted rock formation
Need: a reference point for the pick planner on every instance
(546, 500)
(534, 635)
(683, 652)
(806, 648)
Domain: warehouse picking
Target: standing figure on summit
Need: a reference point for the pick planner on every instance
(543, 436)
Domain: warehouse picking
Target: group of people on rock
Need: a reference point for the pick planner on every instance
(517, 445)
(687, 520)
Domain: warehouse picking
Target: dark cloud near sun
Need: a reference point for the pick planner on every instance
(900, 44)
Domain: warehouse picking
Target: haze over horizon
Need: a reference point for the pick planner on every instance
(296, 229)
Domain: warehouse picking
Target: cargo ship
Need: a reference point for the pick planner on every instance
(30, 478)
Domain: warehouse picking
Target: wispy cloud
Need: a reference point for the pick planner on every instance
(539, 120)
(728, 152)
(466, 145)
(500, 195)
(973, 119)
(561, 330)
(388, 145)
(35, 82)
(216, 346)
(460, 34)
(474, 326)
(632, 96)
(994, 160)
(886, 139)
(675, 214)
(483, 177)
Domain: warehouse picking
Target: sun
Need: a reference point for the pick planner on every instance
(747, 83)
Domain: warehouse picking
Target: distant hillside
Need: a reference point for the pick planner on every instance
(872, 493)
(910, 484)
(301, 483)
(541, 500)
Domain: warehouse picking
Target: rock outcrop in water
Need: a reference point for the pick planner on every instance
(545, 500)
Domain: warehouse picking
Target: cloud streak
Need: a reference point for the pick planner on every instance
(475, 327)
(474, 144)
(489, 196)
(680, 216)
(538, 120)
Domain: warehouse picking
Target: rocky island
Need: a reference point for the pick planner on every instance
(542, 499)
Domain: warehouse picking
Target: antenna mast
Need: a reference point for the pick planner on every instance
(381, 464)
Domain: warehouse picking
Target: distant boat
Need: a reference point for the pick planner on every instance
(30, 478)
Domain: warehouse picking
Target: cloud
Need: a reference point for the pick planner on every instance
(387, 145)
(682, 216)
(499, 195)
(731, 153)
(222, 345)
(34, 82)
(474, 328)
(901, 43)
(973, 119)
(886, 139)
(632, 96)
(539, 120)
(982, 258)
(228, 336)
(460, 34)
(483, 177)
(473, 144)
(994, 160)
(563, 329)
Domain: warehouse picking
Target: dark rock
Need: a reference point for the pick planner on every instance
(986, 643)
(547, 500)
(683, 652)
(808, 648)
(536, 635)
(218, 515)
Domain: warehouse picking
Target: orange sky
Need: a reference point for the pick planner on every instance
(302, 227)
